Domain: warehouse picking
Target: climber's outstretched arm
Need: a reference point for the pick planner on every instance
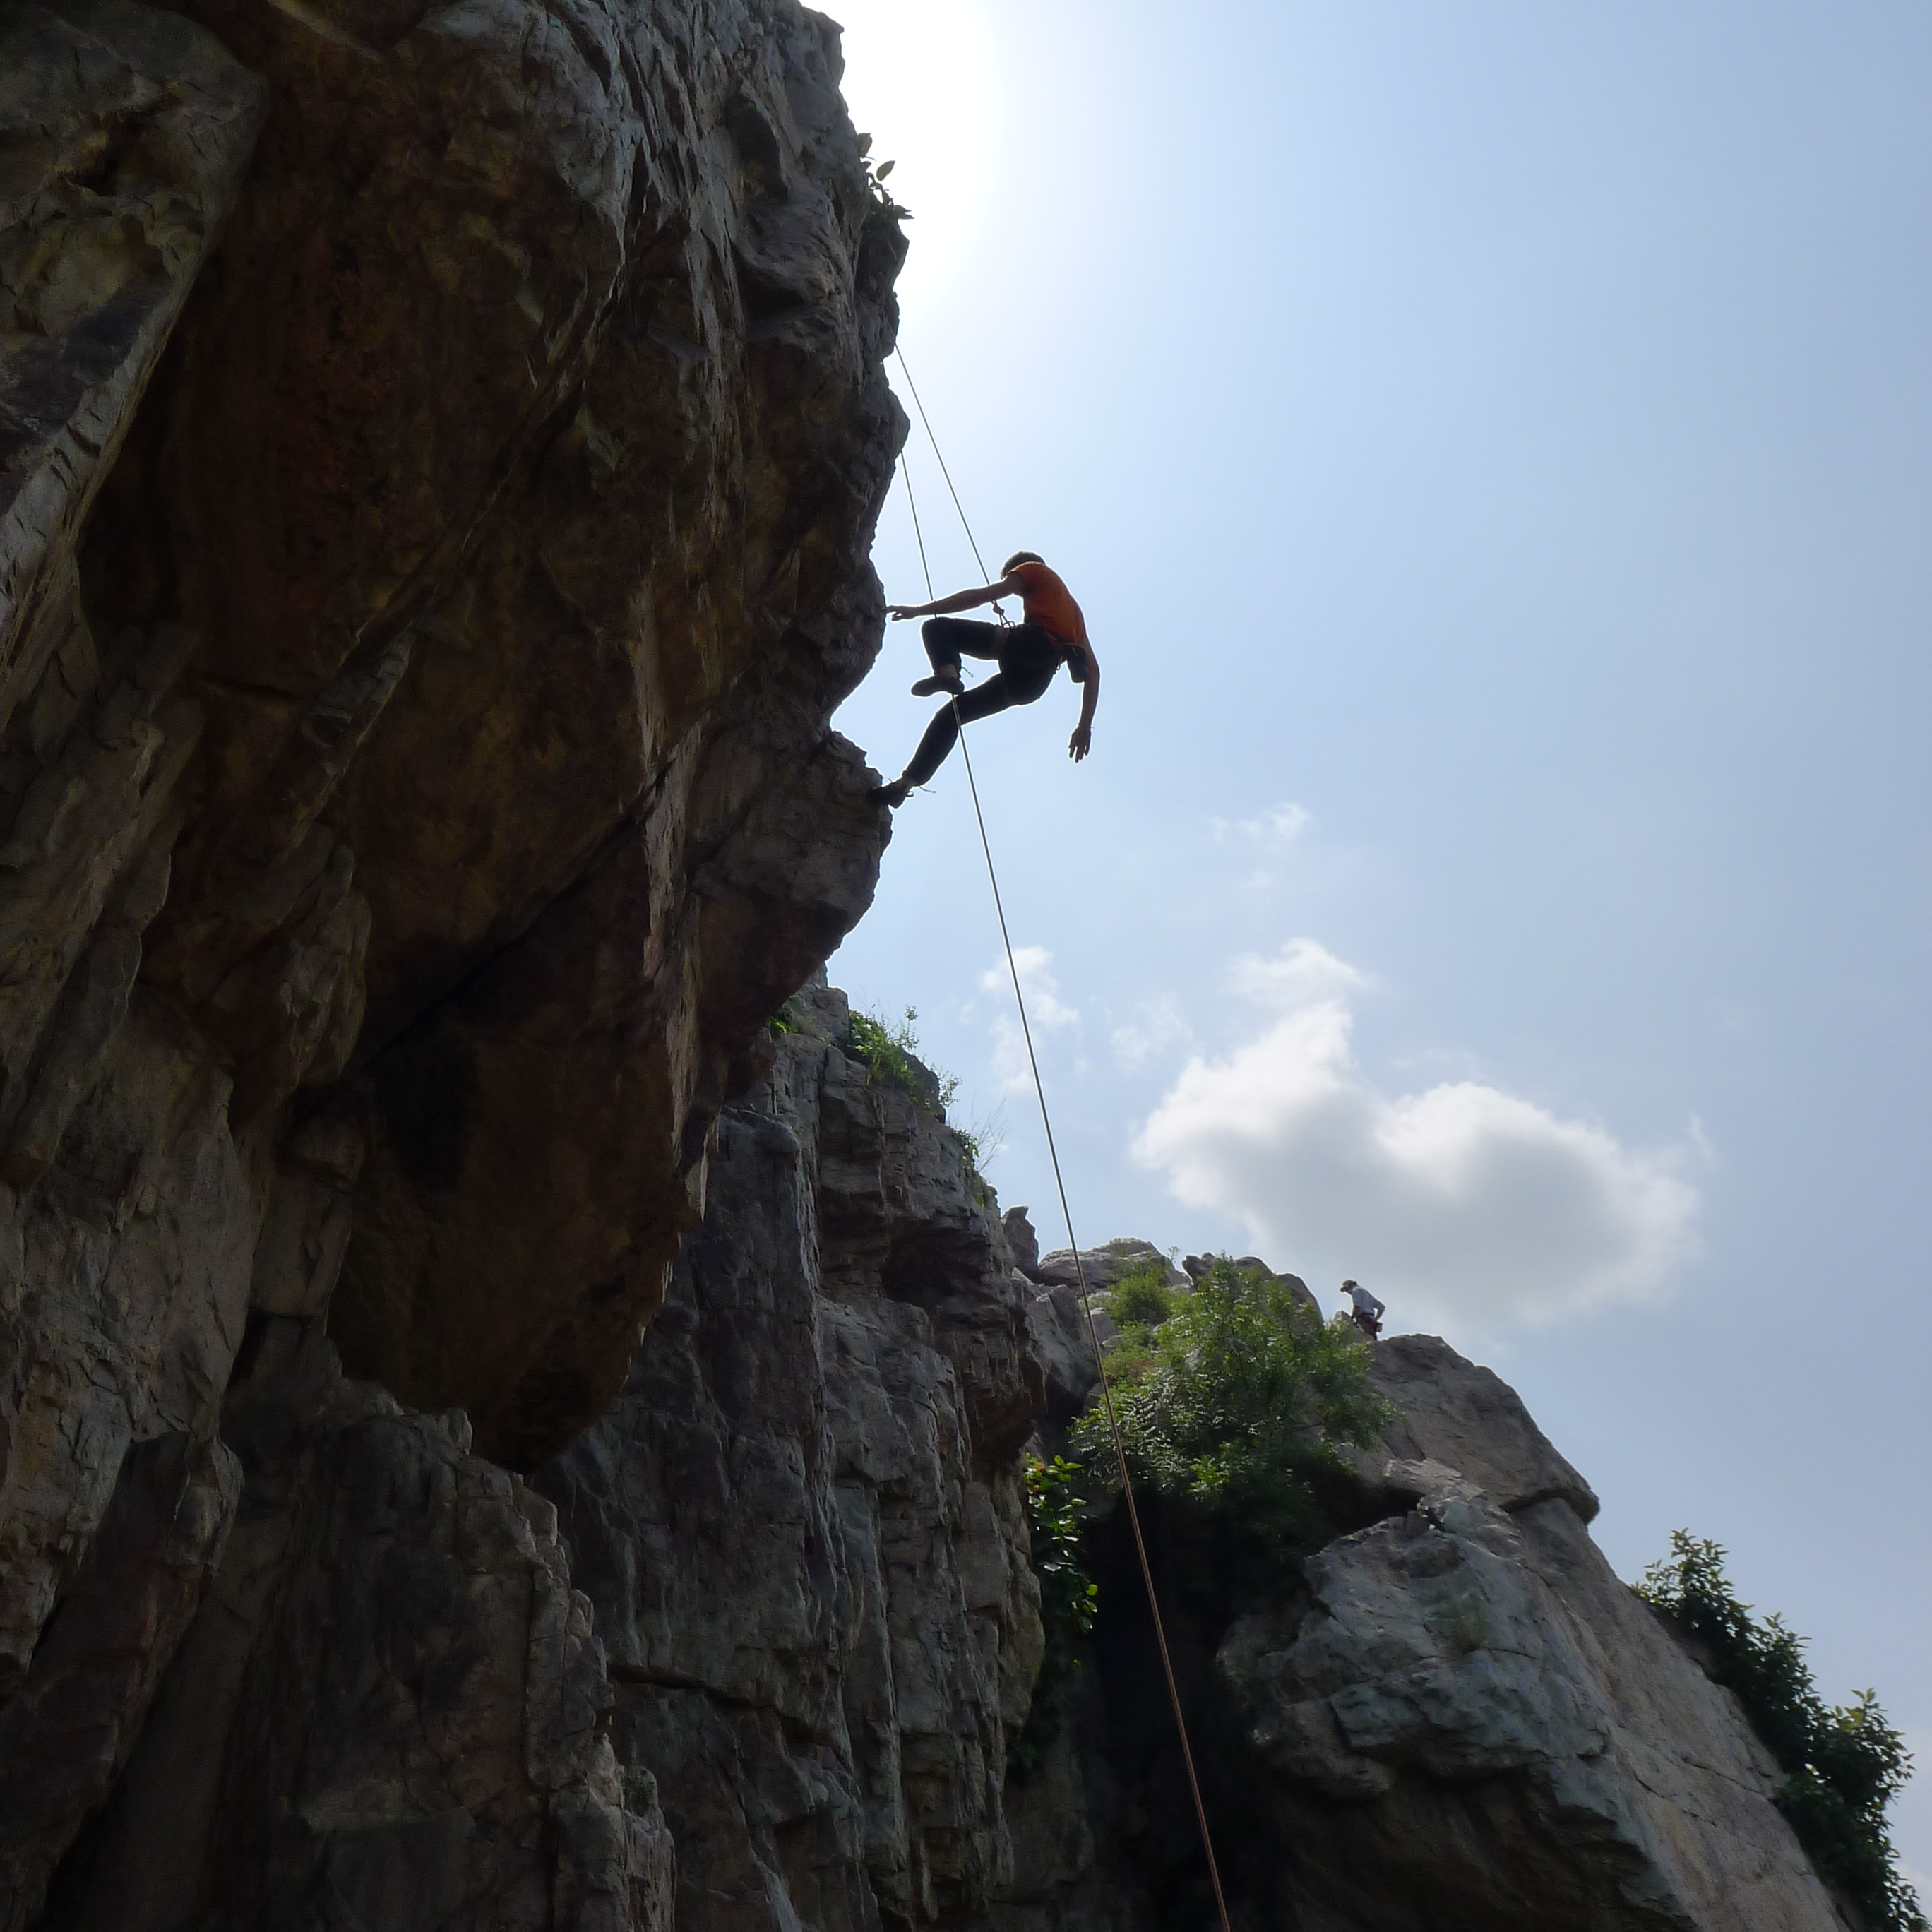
(1078, 745)
(960, 600)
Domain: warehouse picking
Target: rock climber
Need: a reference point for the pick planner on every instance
(1368, 1312)
(1053, 633)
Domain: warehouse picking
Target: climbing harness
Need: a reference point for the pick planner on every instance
(1053, 1153)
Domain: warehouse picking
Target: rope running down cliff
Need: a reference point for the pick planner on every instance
(1046, 1120)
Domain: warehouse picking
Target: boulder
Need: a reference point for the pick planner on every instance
(1471, 1723)
(1455, 1719)
(1103, 1266)
(1453, 1412)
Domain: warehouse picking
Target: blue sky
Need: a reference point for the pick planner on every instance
(1493, 447)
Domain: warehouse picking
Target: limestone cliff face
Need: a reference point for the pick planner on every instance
(439, 449)
(802, 1525)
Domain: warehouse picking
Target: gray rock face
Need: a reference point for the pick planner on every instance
(1455, 1413)
(439, 450)
(801, 1524)
(1472, 1723)
(66, 1738)
(127, 133)
(391, 1709)
(1022, 1240)
(1457, 1719)
(1103, 1266)
(1065, 1347)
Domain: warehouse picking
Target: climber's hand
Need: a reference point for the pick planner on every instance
(895, 611)
(1081, 742)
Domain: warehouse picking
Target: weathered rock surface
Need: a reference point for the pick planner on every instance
(439, 449)
(66, 1738)
(125, 134)
(391, 1711)
(1103, 1266)
(1473, 1723)
(1457, 1719)
(518, 472)
(1454, 1412)
(802, 1523)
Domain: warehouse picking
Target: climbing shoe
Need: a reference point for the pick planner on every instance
(895, 794)
(947, 681)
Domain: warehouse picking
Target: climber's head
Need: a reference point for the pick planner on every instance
(1347, 1284)
(1020, 557)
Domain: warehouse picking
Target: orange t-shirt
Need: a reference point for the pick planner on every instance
(1048, 604)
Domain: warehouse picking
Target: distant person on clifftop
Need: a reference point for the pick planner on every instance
(1054, 633)
(1368, 1311)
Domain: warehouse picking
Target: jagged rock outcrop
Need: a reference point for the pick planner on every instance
(1455, 1719)
(802, 1522)
(1103, 1266)
(439, 449)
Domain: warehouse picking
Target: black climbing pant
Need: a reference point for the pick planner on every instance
(1028, 656)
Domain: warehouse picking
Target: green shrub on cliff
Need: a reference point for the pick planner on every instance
(1231, 1404)
(1142, 1298)
(1068, 1600)
(889, 1054)
(1842, 1764)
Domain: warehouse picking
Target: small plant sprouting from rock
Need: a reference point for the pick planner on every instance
(876, 172)
(1229, 1404)
(1842, 1764)
(889, 1052)
(983, 1139)
(785, 1020)
(890, 1055)
(1069, 1599)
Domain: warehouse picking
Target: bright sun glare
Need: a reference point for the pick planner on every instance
(920, 80)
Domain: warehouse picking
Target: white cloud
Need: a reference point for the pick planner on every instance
(1045, 1009)
(1302, 974)
(1279, 824)
(1460, 1202)
(1156, 1024)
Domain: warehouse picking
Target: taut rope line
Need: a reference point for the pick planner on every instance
(1053, 1152)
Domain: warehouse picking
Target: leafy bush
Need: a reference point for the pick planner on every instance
(1142, 1298)
(1843, 1765)
(889, 1053)
(1229, 1407)
(1068, 1598)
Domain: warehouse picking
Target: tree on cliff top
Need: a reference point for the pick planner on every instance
(1843, 1764)
(1231, 1403)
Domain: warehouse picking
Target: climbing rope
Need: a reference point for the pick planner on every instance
(1059, 1182)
